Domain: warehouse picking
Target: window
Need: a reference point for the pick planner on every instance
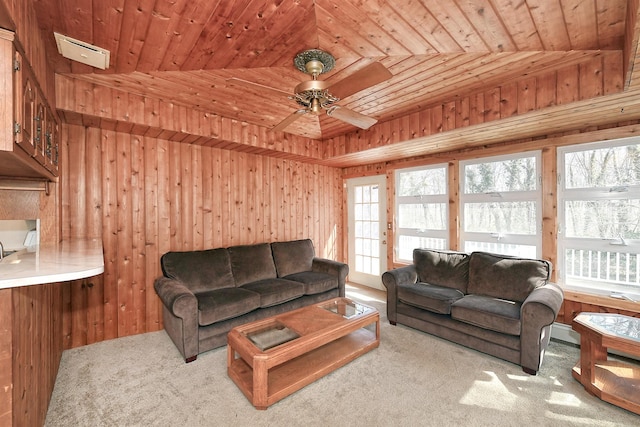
(500, 205)
(421, 210)
(599, 216)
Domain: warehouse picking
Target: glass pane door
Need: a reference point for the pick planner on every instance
(367, 232)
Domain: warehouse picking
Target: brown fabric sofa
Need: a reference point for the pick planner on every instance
(206, 293)
(500, 305)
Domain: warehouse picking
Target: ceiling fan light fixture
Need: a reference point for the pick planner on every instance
(316, 107)
(315, 96)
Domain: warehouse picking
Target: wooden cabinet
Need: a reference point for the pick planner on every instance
(26, 118)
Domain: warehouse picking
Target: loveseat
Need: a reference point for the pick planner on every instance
(206, 293)
(500, 305)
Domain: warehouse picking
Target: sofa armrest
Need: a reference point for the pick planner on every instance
(391, 280)
(542, 305)
(537, 314)
(180, 315)
(178, 299)
(400, 276)
(335, 268)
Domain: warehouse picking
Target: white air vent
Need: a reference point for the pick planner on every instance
(82, 52)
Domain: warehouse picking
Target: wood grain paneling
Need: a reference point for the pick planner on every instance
(185, 52)
(37, 349)
(509, 100)
(6, 357)
(151, 196)
(558, 101)
(174, 122)
(180, 160)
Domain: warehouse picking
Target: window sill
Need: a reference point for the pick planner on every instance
(600, 300)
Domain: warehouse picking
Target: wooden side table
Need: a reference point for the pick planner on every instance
(613, 381)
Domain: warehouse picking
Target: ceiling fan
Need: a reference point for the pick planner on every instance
(315, 95)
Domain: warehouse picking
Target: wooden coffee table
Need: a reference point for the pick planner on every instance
(613, 381)
(271, 358)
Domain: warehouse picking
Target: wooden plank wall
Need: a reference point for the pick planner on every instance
(145, 196)
(602, 75)
(6, 357)
(87, 104)
(37, 349)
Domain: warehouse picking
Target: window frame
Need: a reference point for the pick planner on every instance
(426, 233)
(491, 239)
(603, 245)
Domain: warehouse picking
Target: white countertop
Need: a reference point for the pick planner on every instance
(67, 260)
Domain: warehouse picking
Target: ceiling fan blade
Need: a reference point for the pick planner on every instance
(351, 117)
(256, 86)
(290, 119)
(368, 76)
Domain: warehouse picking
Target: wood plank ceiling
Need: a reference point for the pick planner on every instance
(184, 51)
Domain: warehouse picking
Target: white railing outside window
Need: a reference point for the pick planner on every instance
(611, 267)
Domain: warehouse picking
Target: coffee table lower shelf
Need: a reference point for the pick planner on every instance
(615, 382)
(292, 375)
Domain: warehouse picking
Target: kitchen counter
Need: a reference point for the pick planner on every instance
(67, 260)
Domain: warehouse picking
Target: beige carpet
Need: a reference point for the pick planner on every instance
(412, 379)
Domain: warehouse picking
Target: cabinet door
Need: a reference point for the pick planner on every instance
(51, 142)
(28, 110)
(39, 143)
(17, 97)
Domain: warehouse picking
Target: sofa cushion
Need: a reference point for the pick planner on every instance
(314, 282)
(429, 297)
(443, 268)
(275, 291)
(293, 257)
(199, 270)
(222, 304)
(506, 277)
(488, 313)
(252, 263)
